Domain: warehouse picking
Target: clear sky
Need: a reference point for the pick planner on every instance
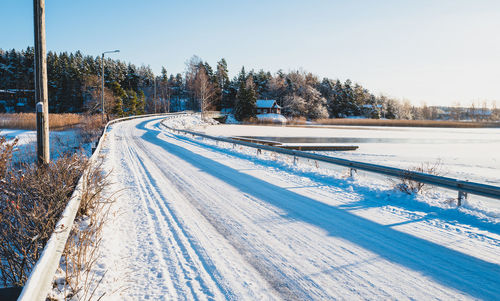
(437, 51)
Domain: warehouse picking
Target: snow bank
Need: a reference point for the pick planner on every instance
(271, 117)
(274, 118)
(189, 122)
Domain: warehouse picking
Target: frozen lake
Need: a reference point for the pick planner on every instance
(467, 154)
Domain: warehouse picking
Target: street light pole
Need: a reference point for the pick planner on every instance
(102, 83)
(154, 94)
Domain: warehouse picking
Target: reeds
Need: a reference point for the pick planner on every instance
(27, 121)
(406, 123)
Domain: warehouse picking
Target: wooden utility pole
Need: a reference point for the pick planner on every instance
(41, 91)
(102, 89)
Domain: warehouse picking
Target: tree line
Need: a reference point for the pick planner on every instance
(74, 81)
(74, 86)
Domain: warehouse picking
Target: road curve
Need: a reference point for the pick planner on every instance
(195, 221)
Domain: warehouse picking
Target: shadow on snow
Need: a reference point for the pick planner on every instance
(451, 268)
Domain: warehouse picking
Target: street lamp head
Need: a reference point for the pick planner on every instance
(113, 51)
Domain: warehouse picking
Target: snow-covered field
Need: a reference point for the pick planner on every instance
(198, 220)
(60, 142)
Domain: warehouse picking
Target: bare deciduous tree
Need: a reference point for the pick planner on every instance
(204, 90)
(91, 87)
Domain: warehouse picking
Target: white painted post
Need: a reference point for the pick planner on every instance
(462, 196)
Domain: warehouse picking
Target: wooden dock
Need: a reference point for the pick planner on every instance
(301, 147)
(305, 147)
(258, 141)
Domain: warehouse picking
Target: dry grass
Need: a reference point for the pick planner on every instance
(82, 249)
(406, 123)
(406, 183)
(297, 121)
(27, 121)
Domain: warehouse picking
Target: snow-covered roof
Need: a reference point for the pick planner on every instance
(371, 106)
(16, 90)
(267, 104)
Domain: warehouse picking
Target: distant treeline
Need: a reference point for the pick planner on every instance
(74, 86)
(74, 81)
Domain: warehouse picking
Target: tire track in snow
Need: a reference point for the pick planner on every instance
(187, 265)
(274, 277)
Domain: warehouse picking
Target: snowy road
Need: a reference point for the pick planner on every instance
(195, 221)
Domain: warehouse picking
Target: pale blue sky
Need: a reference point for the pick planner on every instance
(440, 52)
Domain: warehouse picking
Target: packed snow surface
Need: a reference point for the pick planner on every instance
(194, 219)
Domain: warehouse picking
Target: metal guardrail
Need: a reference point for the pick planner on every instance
(42, 275)
(463, 187)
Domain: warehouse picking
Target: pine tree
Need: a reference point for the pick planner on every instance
(141, 103)
(246, 101)
(120, 96)
(223, 85)
(336, 102)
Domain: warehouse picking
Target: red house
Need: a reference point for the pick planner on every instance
(267, 106)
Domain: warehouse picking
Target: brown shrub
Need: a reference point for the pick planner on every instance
(90, 128)
(6, 150)
(406, 183)
(31, 202)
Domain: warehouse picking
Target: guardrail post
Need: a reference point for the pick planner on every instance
(295, 160)
(462, 196)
